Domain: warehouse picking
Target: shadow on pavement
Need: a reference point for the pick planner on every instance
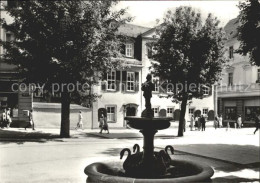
(20, 137)
(234, 179)
(113, 152)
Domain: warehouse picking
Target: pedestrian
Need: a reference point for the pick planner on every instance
(196, 123)
(257, 120)
(191, 122)
(3, 118)
(203, 123)
(80, 122)
(216, 121)
(101, 122)
(239, 121)
(220, 119)
(199, 122)
(8, 118)
(31, 121)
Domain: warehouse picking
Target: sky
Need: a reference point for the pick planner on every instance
(146, 12)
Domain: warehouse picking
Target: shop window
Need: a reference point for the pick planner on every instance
(230, 113)
(111, 113)
(250, 112)
(258, 75)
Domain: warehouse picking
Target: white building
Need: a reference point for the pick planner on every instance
(239, 90)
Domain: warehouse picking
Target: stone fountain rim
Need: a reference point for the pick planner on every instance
(205, 173)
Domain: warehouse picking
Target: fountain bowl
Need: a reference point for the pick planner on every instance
(183, 172)
(144, 123)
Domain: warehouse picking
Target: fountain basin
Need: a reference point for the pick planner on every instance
(144, 123)
(182, 171)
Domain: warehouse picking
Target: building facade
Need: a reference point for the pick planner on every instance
(239, 89)
(120, 90)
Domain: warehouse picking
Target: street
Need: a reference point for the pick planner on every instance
(233, 154)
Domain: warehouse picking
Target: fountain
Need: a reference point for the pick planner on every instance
(148, 166)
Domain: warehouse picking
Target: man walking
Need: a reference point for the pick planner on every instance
(191, 122)
(203, 123)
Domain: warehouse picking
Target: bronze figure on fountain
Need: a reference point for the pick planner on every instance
(147, 88)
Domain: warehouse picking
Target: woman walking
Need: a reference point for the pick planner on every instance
(257, 119)
(103, 123)
(80, 123)
(220, 119)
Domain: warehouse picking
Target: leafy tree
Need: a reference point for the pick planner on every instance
(249, 30)
(64, 42)
(189, 55)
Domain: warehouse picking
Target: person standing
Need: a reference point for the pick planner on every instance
(220, 119)
(191, 122)
(203, 123)
(3, 118)
(80, 123)
(216, 122)
(199, 122)
(31, 121)
(257, 119)
(8, 118)
(196, 122)
(239, 121)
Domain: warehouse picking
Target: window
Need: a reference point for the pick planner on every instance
(250, 112)
(205, 90)
(169, 112)
(169, 87)
(111, 113)
(231, 52)
(205, 111)
(130, 81)
(230, 79)
(8, 37)
(156, 84)
(191, 111)
(111, 80)
(230, 113)
(156, 111)
(129, 50)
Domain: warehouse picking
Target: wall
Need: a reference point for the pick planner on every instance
(48, 115)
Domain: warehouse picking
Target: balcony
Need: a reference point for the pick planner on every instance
(242, 90)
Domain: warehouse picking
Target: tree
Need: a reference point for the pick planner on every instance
(189, 55)
(249, 30)
(64, 43)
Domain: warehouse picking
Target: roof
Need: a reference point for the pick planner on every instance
(231, 28)
(132, 30)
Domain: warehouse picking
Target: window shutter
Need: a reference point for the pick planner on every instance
(117, 80)
(210, 90)
(136, 81)
(123, 49)
(124, 81)
(103, 85)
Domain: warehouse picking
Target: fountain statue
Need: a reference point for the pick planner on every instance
(149, 166)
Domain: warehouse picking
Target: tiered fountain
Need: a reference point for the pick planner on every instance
(148, 166)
